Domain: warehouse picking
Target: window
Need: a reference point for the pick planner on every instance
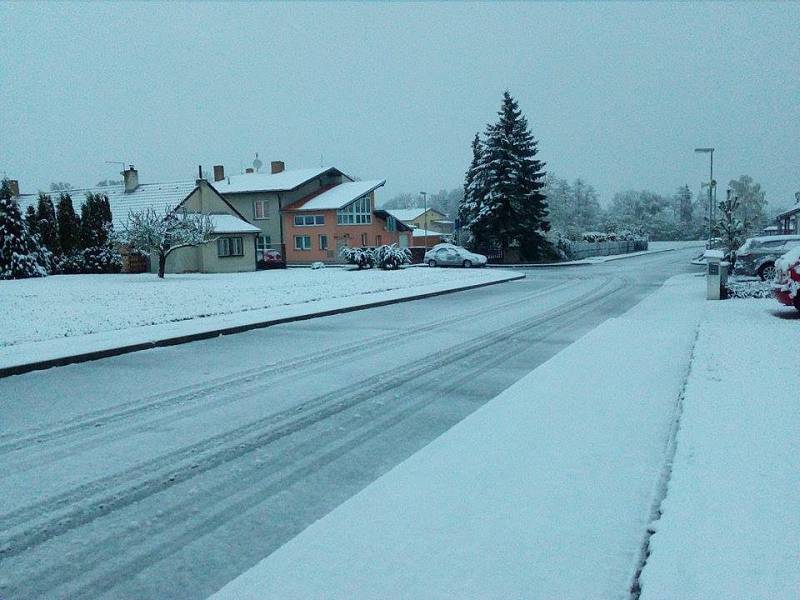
(356, 213)
(309, 220)
(364, 239)
(378, 240)
(230, 246)
(302, 242)
(323, 242)
(263, 243)
(260, 209)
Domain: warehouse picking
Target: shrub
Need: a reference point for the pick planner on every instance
(391, 257)
(101, 260)
(69, 264)
(361, 257)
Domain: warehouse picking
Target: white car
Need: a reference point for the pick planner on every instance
(449, 255)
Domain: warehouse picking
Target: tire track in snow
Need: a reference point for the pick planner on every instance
(38, 522)
(240, 492)
(90, 423)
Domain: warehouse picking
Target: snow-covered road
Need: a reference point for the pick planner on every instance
(166, 473)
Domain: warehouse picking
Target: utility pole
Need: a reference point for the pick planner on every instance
(425, 205)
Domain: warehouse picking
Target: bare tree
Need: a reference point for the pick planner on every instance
(154, 233)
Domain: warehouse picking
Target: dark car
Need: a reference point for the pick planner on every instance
(269, 259)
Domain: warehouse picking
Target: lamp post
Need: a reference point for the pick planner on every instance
(711, 184)
(425, 205)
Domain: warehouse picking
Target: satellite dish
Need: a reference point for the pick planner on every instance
(257, 164)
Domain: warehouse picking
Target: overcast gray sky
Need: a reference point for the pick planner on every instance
(618, 94)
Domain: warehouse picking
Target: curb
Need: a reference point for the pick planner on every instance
(212, 333)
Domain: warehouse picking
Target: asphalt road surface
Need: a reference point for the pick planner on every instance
(166, 473)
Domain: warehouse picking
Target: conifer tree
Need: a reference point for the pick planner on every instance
(68, 225)
(46, 221)
(504, 200)
(19, 251)
(31, 222)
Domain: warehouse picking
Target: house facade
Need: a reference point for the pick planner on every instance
(319, 225)
(418, 218)
(260, 197)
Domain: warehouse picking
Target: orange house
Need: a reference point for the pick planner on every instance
(317, 226)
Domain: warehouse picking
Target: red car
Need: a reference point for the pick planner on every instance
(787, 279)
(270, 259)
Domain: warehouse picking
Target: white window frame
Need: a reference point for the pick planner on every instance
(358, 212)
(305, 242)
(263, 242)
(264, 204)
(320, 238)
(309, 220)
(230, 247)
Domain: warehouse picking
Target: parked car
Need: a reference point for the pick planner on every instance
(757, 255)
(269, 259)
(786, 287)
(449, 255)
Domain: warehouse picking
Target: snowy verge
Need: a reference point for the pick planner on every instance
(23, 357)
(730, 526)
(544, 492)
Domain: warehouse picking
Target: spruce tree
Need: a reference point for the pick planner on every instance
(18, 249)
(68, 225)
(46, 220)
(514, 207)
(469, 209)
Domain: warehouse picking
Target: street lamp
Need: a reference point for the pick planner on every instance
(711, 184)
(425, 204)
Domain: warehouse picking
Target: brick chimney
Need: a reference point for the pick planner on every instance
(13, 185)
(277, 166)
(219, 173)
(131, 177)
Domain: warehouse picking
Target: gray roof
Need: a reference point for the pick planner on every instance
(158, 196)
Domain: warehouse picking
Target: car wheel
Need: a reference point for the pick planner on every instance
(767, 272)
(431, 263)
(467, 264)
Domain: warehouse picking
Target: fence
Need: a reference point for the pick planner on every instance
(579, 250)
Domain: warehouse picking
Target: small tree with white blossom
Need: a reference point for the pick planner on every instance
(151, 232)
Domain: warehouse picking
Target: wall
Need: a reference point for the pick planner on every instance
(348, 234)
(581, 250)
(211, 263)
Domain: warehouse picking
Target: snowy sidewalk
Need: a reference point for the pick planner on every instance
(731, 519)
(55, 351)
(654, 248)
(544, 492)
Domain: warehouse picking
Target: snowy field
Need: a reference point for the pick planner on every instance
(731, 519)
(545, 492)
(71, 305)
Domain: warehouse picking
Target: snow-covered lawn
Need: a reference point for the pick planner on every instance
(544, 492)
(731, 519)
(70, 305)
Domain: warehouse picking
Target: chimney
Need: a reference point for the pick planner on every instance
(219, 173)
(131, 177)
(277, 166)
(13, 185)
(248, 170)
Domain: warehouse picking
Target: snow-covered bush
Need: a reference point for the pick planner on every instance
(361, 257)
(101, 260)
(594, 236)
(317, 265)
(392, 257)
(748, 289)
(20, 254)
(69, 264)
(561, 244)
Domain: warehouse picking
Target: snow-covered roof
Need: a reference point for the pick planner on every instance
(429, 233)
(338, 196)
(408, 214)
(231, 224)
(268, 182)
(157, 196)
(788, 213)
(774, 238)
